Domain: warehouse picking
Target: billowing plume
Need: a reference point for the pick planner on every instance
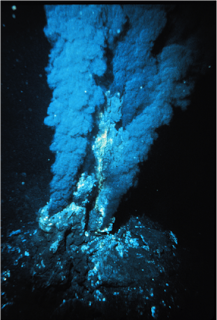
(111, 90)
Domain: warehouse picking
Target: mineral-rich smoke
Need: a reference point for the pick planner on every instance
(111, 90)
